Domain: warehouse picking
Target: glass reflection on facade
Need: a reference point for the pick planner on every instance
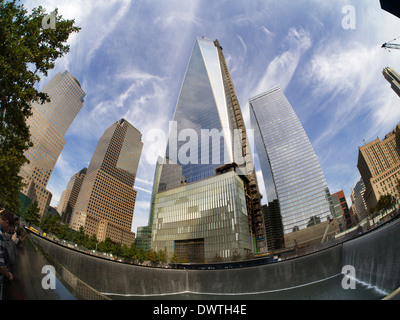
(201, 109)
(207, 133)
(291, 171)
(210, 216)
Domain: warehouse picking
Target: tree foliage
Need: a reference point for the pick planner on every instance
(398, 188)
(51, 224)
(81, 238)
(385, 203)
(31, 214)
(151, 255)
(27, 52)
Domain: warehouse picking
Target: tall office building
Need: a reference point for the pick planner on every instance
(379, 166)
(48, 125)
(143, 236)
(273, 225)
(291, 171)
(70, 195)
(106, 202)
(358, 202)
(342, 212)
(202, 204)
(393, 78)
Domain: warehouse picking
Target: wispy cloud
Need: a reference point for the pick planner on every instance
(143, 189)
(242, 42)
(267, 31)
(148, 182)
(352, 76)
(103, 20)
(281, 69)
(130, 58)
(56, 186)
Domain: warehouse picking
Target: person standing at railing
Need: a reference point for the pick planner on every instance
(6, 222)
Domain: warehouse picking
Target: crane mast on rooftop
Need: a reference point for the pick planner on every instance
(390, 45)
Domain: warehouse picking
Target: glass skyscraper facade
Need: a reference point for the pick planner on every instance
(48, 125)
(207, 132)
(143, 235)
(206, 220)
(291, 170)
(201, 109)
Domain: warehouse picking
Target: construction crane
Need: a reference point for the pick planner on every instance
(389, 45)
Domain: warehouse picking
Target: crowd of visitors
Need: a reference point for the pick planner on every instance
(11, 236)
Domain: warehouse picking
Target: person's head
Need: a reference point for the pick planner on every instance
(6, 220)
(16, 222)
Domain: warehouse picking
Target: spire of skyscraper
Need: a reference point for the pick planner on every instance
(207, 147)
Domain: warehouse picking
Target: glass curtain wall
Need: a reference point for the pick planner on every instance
(292, 173)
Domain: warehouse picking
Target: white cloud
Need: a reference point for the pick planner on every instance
(339, 69)
(65, 171)
(267, 32)
(130, 58)
(142, 189)
(141, 214)
(351, 76)
(150, 183)
(104, 29)
(137, 74)
(242, 42)
(386, 114)
(281, 69)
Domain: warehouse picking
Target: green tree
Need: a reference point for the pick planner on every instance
(125, 251)
(137, 255)
(106, 246)
(174, 258)
(65, 232)
(31, 214)
(141, 255)
(373, 212)
(28, 49)
(117, 250)
(151, 255)
(184, 258)
(51, 224)
(385, 203)
(133, 252)
(162, 255)
(81, 238)
(92, 242)
(397, 195)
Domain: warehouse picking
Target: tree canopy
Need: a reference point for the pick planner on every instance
(29, 47)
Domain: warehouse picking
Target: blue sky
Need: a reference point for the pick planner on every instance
(130, 58)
